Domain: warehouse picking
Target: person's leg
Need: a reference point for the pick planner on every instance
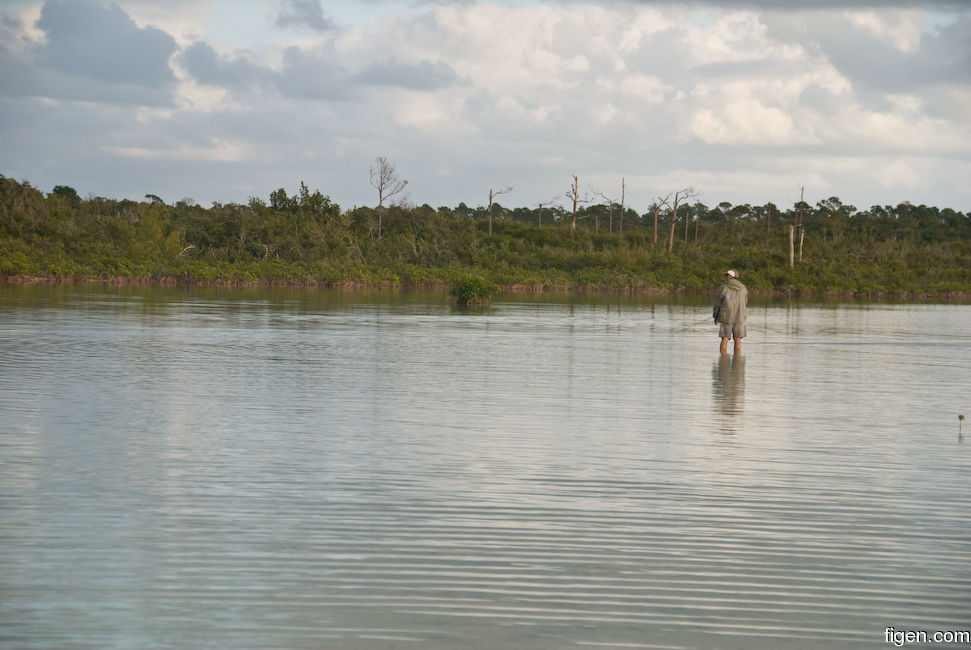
(724, 346)
(738, 346)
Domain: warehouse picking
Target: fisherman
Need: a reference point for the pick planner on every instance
(729, 311)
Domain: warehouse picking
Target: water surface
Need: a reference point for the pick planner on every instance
(307, 469)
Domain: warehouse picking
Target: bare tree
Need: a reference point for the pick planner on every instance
(697, 215)
(610, 211)
(656, 208)
(384, 178)
(611, 203)
(540, 206)
(574, 195)
(492, 195)
(797, 227)
(623, 192)
(679, 197)
(769, 207)
(687, 222)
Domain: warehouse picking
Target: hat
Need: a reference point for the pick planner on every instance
(732, 273)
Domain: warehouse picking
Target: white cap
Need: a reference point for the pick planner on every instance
(732, 273)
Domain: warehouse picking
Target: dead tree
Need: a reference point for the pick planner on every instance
(574, 195)
(610, 211)
(768, 222)
(384, 178)
(799, 226)
(687, 222)
(611, 203)
(493, 194)
(679, 197)
(697, 215)
(540, 206)
(623, 192)
(656, 208)
(793, 229)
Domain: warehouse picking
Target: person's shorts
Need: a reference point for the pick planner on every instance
(731, 331)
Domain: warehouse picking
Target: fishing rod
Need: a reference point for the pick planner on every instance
(703, 320)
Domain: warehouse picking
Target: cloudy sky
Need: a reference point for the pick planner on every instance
(745, 101)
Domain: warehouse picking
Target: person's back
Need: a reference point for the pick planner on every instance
(730, 311)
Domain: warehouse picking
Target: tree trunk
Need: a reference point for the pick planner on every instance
(490, 213)
(792, 249)
(657, 208)
(768, 228)
(574, 194)
(623, 191)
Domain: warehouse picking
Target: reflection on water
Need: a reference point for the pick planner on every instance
(728, 381)
(289, 469)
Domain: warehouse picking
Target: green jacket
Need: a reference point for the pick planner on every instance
(730, 306)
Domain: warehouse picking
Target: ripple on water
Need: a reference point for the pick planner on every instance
(194, 472)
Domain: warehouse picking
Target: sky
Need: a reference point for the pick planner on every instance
(744, 101)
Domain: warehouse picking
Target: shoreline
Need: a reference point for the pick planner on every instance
(356, 285)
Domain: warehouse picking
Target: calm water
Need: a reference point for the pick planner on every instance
(272, 469)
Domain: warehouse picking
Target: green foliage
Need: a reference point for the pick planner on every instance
(304, 238)
(473, 289)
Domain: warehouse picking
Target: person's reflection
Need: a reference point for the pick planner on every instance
(728, 381)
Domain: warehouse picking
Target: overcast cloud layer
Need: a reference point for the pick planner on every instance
(746, 101)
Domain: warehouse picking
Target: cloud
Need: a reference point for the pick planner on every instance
(743, 122)
(304, 73)
(84, 51)
(212, 151)
(24, 81)
(886, 52)
(102, 42)
(816, 5)
(303, 13)
(426, 75)
(312, 74)
(746, 104)
(206, 66)
(18, 32)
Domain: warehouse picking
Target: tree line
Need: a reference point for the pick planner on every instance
(304, 238)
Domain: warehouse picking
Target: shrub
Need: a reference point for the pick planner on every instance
(473, 289)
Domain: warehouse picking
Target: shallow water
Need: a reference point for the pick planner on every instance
(304, 469)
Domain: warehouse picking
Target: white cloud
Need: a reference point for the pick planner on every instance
(215, 151)
(511, 50)
(899, 132)
(755, 112)
(745, 105)
(901, 29)
(737, 37)
(605, 113)
(742, 122)
(440, 112)
(640, 27)
(650, 90)
(185, 20)
(19, 31)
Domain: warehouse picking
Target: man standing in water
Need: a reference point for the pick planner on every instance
(729, 311)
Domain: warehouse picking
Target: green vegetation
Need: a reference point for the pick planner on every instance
(473, 290)
(304, 238)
